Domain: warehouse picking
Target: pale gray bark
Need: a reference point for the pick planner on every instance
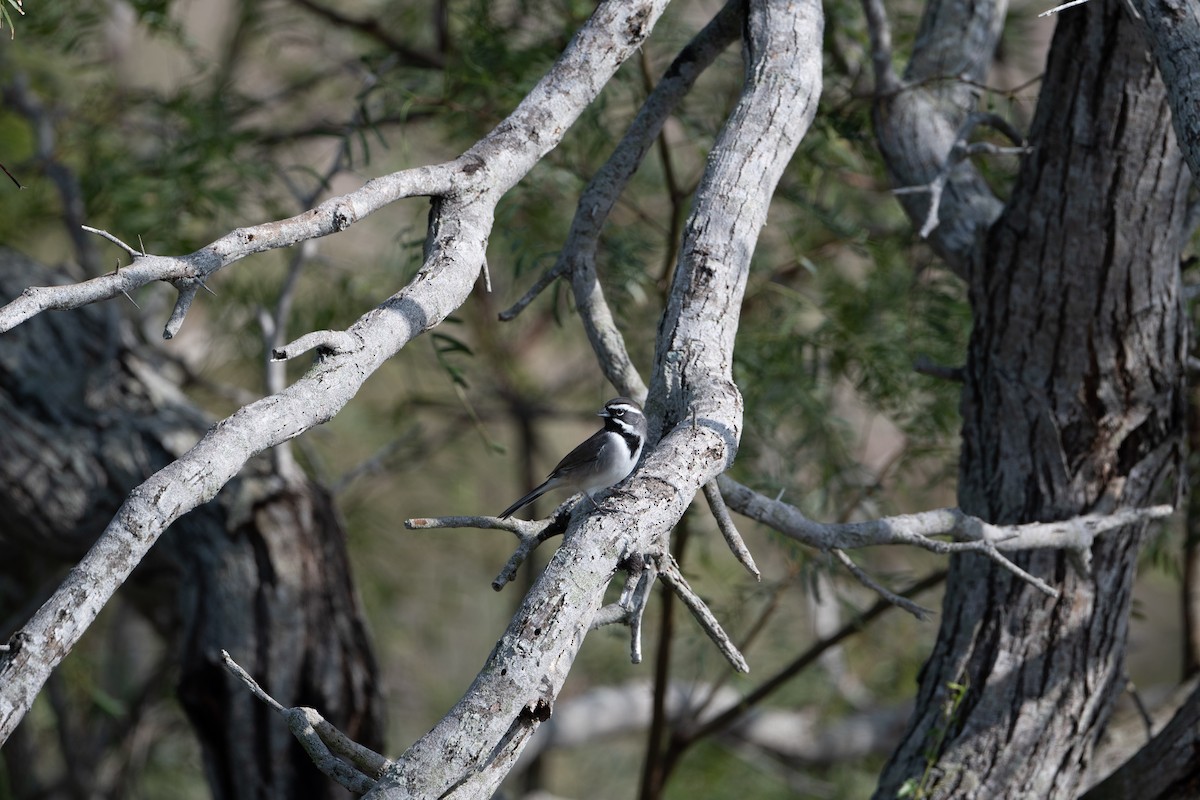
(467, 191)
(1064, 379)
(696, 408)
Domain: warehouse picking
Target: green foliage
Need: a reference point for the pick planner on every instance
(6, 16)
(839, 305)
(920, 788)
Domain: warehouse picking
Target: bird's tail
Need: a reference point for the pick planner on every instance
(527, 499)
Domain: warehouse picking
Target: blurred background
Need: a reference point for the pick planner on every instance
(171, 122)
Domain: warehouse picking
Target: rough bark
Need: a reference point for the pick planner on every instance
(84, 417)
(466, 192)
(1073, 402)
(1173, 30)
(693, 400)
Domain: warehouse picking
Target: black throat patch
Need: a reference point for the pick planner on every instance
(622, 428)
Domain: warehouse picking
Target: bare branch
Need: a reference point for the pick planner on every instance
(460, 227)
(332, 216)
(671, 576)
(530, 534)
(972, 534)
(133, 251)
(337, 342)
(355, 767)
(578, 254)
(918, 611)
(919, 123)
(880, 34)
(729, 530)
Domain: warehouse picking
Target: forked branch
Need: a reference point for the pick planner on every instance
(966, 533)
(334, 753)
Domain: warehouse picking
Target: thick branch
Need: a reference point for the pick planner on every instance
(532, 659)
(918, 122)
(332, 216)
(454, 253)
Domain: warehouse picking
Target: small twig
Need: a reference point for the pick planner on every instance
(187, 293)
(960, 151)
(11, 177)
(355, 767)
(989, 550)
(610, 614)
(918, 611)
(336, 342)
(1056, 9)
(548, 277)
(926, 366)
(131, 250)
(529, 533)
(989, 149)
(964, 78)
(935, 188)
(671, 576)
(638, 600)
(487, 277)
(729, 530)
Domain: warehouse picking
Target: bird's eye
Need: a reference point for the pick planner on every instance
(620, 412)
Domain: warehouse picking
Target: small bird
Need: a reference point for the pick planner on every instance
(603, 460)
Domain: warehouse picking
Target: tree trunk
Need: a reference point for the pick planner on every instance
(1073, 402)
(262, 572)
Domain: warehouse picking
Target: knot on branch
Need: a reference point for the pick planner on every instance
(343, 217)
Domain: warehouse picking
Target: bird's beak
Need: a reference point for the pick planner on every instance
(603, 413)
